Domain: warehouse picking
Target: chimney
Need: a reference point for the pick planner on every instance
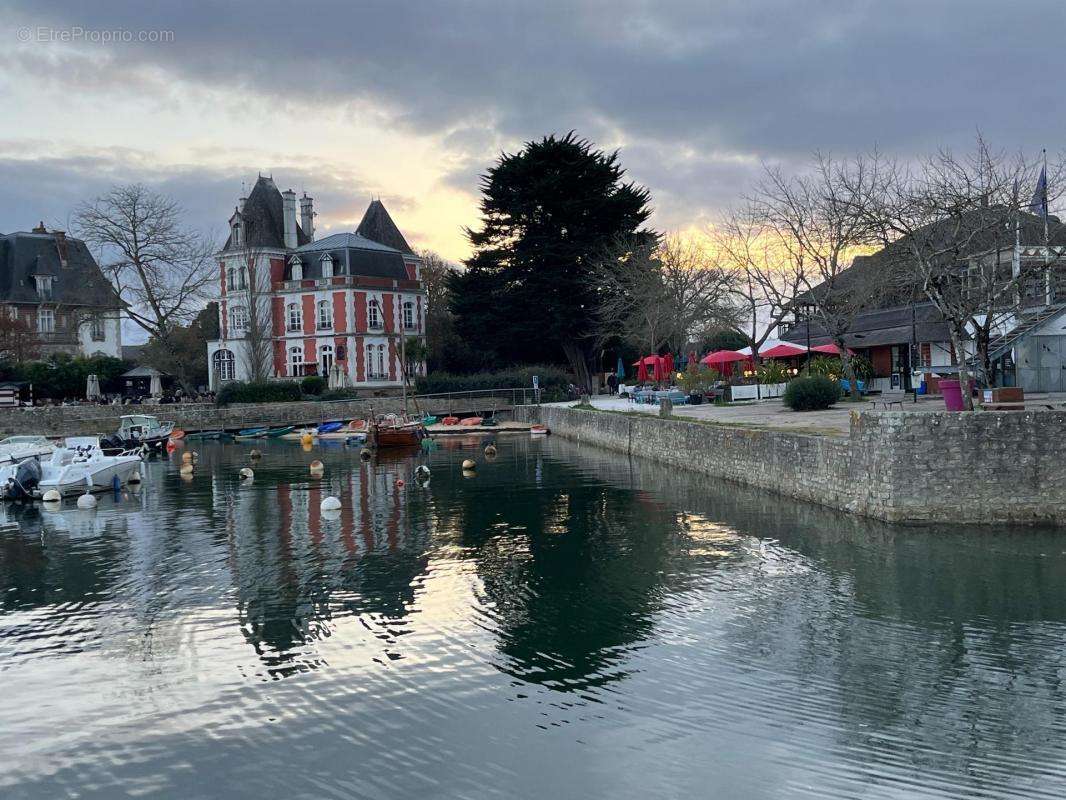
(307, 216)
(40, 228)
(288, 200)
(240, 203)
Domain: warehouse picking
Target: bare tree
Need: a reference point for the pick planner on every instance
(767, 278)
(656, 294)
(816, 219)
(948, 223)
(258, 331)
(19, 340)
(159, 268)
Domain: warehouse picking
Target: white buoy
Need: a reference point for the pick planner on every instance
(135, 477)
(365, 454)
(52, 496)
(330, 504)
(186, 469)
(490, 450)
(247, 474)
(422, 472)
(255, 454)
(469, 465)
(86, 501)
(186, 457)
(317, 467)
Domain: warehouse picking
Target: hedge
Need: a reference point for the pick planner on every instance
(265, 392)
(313, 384)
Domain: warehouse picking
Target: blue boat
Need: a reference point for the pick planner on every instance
(330, 427)
(250, 432)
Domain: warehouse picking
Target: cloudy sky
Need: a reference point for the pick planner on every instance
(410, 101)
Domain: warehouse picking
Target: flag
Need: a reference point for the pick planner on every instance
(1038, 205)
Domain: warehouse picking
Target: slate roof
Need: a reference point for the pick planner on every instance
(263, 218)
(378, 226)
(79, 283)
(352, 255)
(881, 327)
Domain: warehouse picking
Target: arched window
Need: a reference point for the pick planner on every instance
(238, 319)
(325, 359)
(231, 278)
(296, 269)
(325, 315)
(409, 316)
(373, 314)
(327, 266)
(296, 317)
(296, 362)
(222, 361)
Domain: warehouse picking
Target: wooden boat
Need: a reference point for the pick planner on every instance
(396, 432)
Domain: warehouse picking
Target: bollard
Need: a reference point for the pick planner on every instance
(666, 407)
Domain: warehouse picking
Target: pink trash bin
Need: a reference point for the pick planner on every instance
(952, 392)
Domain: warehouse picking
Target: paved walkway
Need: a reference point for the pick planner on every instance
(773, 414)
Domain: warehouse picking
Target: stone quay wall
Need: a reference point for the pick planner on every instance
(92, 420)
(978, 467)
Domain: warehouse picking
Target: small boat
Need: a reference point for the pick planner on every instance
(394, 432)
(137, 430)
(450, 421)
(355, 439)
(276, 433)
(18, 448)
(429, 419)
(204, 436)
(357, 425)
(79, 464)
(330, 427)
(177, 433)
(249, 433)
(539, 430)
(471, 422)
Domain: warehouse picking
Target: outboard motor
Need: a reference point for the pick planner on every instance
(25, 480)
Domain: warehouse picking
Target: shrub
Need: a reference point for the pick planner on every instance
(833, 367)
(313, 384)
(553, 381)
(772, 371)
(811, 393)
(693, 380)
(265, 392)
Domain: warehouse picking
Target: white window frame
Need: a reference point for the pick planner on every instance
(296, 269)
(97, 331)
(383, 371)
(324, 321)
(236, 233)
(409, 321)
(223, 363)
(238, 318)
(295, 317)
(231, 279)
(374, 318)
(296, 361)
(327, 265)
(326, 359)
(46, 320)
(44, 286)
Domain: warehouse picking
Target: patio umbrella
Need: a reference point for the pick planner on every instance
(719, 357)
(657, 370)
(621, 370)
(831, 349)
(156, 387)
(642, 372)
(668, 366)
(783, 350)
(92, 387)
(337, 378)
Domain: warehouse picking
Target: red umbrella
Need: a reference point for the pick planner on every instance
(658, 369)
(668, 367)
(831, 349)
(642, 372)
(783, 350)
(647, 361)
(719, 357)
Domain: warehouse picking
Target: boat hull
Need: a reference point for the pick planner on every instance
(77, 478)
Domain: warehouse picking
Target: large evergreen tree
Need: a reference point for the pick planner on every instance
(529, 292)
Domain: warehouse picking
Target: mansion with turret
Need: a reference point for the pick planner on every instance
(343, 307)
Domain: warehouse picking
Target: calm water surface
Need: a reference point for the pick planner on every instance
(565, 624)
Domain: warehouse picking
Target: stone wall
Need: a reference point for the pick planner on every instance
(898, 466)
(91, 420)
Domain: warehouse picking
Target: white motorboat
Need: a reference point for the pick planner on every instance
(136, 430)
(76, 466)
(18, 448)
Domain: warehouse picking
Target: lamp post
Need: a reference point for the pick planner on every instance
(807, 312)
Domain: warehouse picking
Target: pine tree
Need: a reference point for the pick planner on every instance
(529, 291)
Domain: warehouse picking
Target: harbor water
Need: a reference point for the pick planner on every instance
(563, 623)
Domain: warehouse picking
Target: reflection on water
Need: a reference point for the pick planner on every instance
(564, 623)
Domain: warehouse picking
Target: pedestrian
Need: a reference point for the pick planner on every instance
(612, 383)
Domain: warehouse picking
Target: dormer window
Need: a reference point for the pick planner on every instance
(44, 286)
(236, 234)
(327, 266)
(296, 269)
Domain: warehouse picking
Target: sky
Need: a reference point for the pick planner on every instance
(412, 101)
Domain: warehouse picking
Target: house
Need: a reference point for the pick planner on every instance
(342, 307)
(56, 297)
(908, 341)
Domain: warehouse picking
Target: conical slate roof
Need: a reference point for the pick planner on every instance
(378, 226)
(264, 218)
